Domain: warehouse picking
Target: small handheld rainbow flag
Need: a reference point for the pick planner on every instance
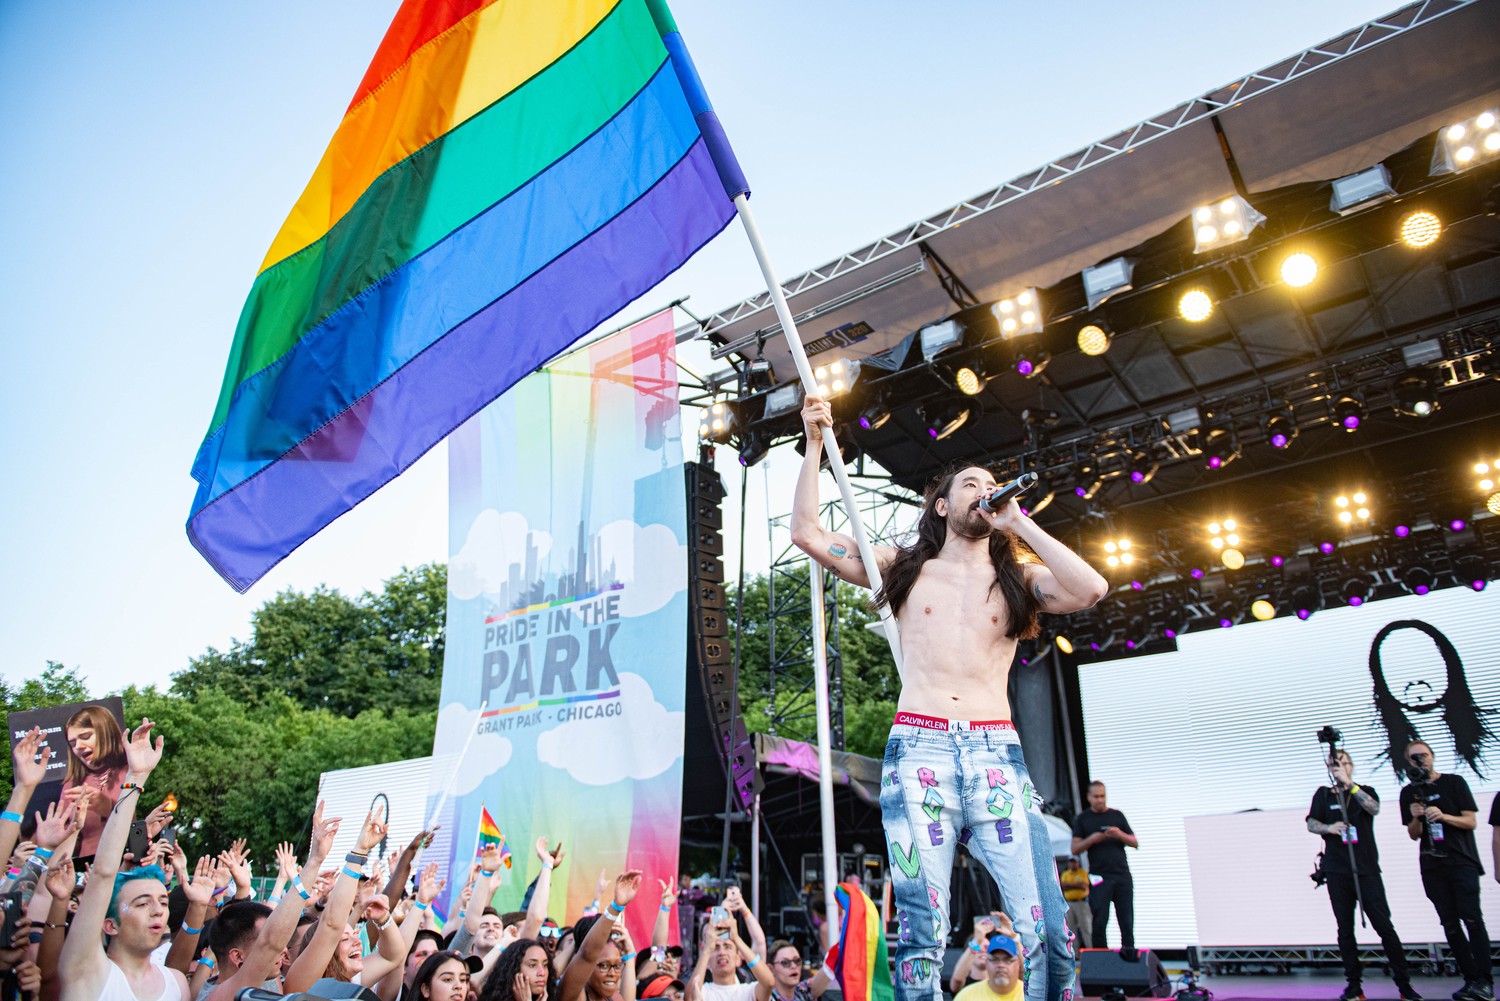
(489, 834)
(861, 967)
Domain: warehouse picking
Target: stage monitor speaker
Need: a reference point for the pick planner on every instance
(1100, 970)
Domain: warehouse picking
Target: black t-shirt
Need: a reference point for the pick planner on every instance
(1451, 795)
(1325, 809)
(1495, 811)
(1108, 855)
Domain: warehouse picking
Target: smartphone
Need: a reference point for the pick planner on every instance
(719, 914)
(169, 834)
(137, 843)
(13, 906)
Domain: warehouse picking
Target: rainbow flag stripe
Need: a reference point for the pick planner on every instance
(861, 966)
(508, 175)
(489, 834)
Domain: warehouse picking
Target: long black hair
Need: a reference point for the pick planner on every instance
(1007, 553)
(499, 985)
(1464, 719)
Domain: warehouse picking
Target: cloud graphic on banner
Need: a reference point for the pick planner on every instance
(648, 560)
(487, 753)
(644, 739)
(496, 541)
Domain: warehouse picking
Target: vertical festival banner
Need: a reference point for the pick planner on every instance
(567, 610)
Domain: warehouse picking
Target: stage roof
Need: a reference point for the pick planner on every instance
(1327, 111)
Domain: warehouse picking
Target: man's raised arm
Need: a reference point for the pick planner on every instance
(834, 551)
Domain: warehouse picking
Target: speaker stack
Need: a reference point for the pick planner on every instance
(711, 647)
(1103, 970)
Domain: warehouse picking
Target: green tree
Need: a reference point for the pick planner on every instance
(56, 685)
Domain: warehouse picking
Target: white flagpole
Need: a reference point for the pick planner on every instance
(453, 775)
(866, 553)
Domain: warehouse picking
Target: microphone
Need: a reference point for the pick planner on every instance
(1001, 497)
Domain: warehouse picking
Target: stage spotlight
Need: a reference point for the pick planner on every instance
(1220, 447)
(1362, 190)
(1063, 643)
(1262, 609)
(753, 449)
(1088, 488)
(1306, 599)
(1492, 503)
(874, 414)
(1093, 340)
(1222, 533)
(1119, 553)
(968, 381)
(1467, 144)
(1471, 571)
(1352, 509)
(1195, 306)
(1031, 363)
(835, 377)
(1415, 394)
(783, 399)
(759, 376)
(1299, 270)
(939, 337)
(1142, 467)
(1223, 223)
(1280, 428)
(1232, 558)
(1019, 315)
(1355, 590)
(1349, 411)
(1417, 580)
(1487, 473)
(945, 418)
(1421, 229)
(1102, 281)
(717, 422)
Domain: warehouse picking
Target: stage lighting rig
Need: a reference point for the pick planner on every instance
(759, 376)
(942, 419)
(1420, 229)
(1306, 599)
(1299, 269)
(1220, 447)
(1467, 144)
(1471, 571)
(1415, 394)
(1355, 588)
(939, 337)
(1349, 411)
(1103, 281)
(1019, 315)
(1362, 190)
(1225, 222)
(753, 448)
(835, 377)
(717, 421)
(969, 380)
(1031, 363)
(1352, 509)
(1142, 467)
(1118, 553)
(1195, 305)
(1280, 428)
(1094, 339)
(875, 413)
(783, 399)
(1417, 579)
(1263, 608)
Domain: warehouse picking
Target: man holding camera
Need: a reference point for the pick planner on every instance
(1344, 814)
(1104, 833)
(1440, 812)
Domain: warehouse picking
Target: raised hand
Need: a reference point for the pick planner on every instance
(61, 877)
(373, 831)
(200, 889)
(141, 755)
(489, 860)
(222, 876)
(157, 821)
(323, 831)
(626, 886)
(179, 864)
(29, 771)
(286, 860)
(56, 827)
(734, 900)
(668, 892)
(602, 885)
(557, 854)
(542, 852)
(430, 887)
(377, 909)
(238, 863)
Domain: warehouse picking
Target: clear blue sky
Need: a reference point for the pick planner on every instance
(154, 148)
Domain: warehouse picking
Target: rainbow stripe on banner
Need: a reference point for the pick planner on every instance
(861, 966)
(490, 836)
(507, 176)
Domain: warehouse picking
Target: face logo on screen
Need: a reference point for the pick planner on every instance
(1427, 686)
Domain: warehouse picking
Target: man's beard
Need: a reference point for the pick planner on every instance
(971, 526)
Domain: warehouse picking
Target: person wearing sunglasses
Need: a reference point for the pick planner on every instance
(787, 969)
(1439, 811)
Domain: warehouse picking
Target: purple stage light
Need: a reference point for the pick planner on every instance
(1094, 645)
(1025, 366)
(1136, 476)
(932, 433)
(1477, 585)
(1215, 462)
(1196, 573)
(743, 462)
(1457, 525)
(864, 422)
(1279, 440)
(1026, 511)
(1356, 600)
(1137, 585)
(1170, 634)
(1422, 589)
(1130, 644)
(1350, 422)
(1325, 547)
(1225, 624)
(1304, 614)
(1277, 561)
(1024, 662)
(1081, 491)
(1401, 531)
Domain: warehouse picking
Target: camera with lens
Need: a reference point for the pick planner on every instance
(1328, 735)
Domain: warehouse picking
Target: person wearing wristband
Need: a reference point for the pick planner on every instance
(130, 908)
(1002, 980)
(29, 766)
(596, 971)
(721, 952)
(972, 965)
(541, 896)
(487, 880)
(198, 891)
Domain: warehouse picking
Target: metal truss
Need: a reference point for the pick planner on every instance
(1183, 115)
(1425, 956)
(886, 512)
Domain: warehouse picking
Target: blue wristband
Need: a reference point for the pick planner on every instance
(11, 815)
(666, 908)
(615, 909)
(753, 961)
(352, 873)
(188, 929)
(43, 853)
(421, 906)
(627, 957)
(301, 890)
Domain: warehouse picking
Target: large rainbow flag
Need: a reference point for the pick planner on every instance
(509, 174)
(861, 966)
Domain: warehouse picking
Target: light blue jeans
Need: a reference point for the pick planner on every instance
(946, 783)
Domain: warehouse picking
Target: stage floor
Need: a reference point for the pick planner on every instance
(1317, 987)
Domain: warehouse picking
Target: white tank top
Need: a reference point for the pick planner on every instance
(117, 988)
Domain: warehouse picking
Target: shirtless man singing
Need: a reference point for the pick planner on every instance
(969, 586)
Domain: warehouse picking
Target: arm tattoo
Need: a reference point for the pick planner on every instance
(1370, 804)
(1042, 597)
